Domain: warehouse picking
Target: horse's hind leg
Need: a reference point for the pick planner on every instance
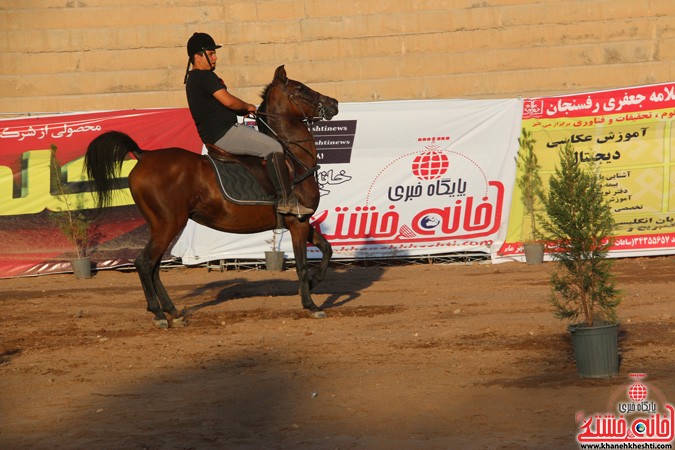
(316, 238)
(148, 272)
(159, 303)
(165, 301)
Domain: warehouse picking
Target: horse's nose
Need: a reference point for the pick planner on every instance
(331, 107)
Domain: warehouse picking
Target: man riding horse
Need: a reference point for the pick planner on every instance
(173, 185)
(214, 110)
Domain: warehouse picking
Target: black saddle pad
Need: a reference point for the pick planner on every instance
(238, 185)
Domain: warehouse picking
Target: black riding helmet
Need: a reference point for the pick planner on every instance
(199, 42)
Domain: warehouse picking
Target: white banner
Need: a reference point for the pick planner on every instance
(398, 179)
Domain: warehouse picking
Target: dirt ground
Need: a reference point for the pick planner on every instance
(417, 356)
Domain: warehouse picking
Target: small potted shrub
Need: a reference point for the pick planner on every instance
(530, 186)
(71, 219)
(274, 258)
(579, 226)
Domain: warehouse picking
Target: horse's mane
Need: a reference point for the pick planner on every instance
(263, 94)
(262, 109)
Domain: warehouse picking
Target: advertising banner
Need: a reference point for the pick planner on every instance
(31, 240)
(627, 134)
(399, 179)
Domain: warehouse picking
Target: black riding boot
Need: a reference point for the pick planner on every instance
(287, 201)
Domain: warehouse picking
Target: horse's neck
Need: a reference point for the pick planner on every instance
(300, 141)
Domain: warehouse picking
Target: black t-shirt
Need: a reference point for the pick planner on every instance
(211, 117)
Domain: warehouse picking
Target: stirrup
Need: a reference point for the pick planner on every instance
(294, 207)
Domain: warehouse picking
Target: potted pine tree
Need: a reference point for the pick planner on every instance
(530, 185)
(71, 219)
(579, 225)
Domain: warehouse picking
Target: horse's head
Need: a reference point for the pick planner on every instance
(299, 100)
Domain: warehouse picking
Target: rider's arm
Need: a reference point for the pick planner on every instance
(234, 103)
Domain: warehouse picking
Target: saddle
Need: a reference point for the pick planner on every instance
(243, 180)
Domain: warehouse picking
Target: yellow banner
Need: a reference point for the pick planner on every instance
(628, 134)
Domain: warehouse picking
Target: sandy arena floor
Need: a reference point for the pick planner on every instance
(417, 356)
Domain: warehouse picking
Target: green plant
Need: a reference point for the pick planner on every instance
(529, 182)
(579, 224)
(70, 219)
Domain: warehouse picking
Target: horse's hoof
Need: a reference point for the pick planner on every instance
(318, 314)
(179, 322)
(162, 324)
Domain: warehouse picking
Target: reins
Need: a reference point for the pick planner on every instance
(309, 171)
(286, 116)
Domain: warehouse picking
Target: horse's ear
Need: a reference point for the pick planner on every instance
(280, 74)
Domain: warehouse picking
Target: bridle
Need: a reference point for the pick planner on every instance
(320, 109)
(308, 121)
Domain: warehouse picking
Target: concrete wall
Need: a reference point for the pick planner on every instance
(82, 55)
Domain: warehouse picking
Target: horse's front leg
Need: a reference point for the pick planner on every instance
(299, 235)
(316, 238)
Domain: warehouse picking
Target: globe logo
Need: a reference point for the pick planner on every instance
(430, 222)
(640, 427)
(430, 165)
(637, 392)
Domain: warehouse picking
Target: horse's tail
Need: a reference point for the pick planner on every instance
(103, 162)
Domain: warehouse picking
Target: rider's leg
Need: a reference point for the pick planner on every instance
(242, 140)
(287, 201)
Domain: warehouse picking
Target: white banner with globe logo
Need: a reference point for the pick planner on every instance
(398, 179)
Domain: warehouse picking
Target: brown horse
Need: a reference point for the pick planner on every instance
(173, 185)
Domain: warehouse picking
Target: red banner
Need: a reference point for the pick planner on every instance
(31, 242)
